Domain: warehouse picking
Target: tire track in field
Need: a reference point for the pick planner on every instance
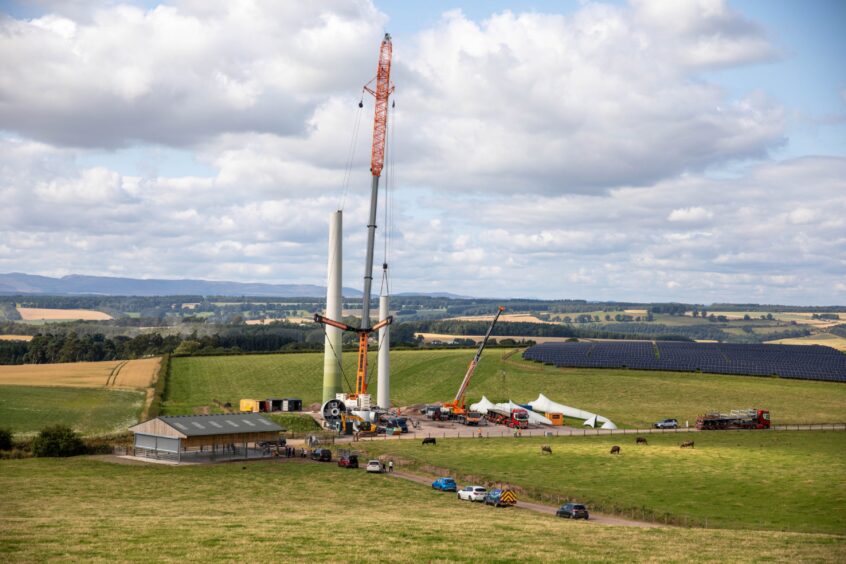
(112, 378)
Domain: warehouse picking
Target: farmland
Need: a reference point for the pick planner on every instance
(630, 398)
(28, 409)
(46, 314)
(82, 509)
(15, 337)
(749, 479)
(115, 373)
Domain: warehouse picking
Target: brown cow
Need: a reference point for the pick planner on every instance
(641, 441)
(546, 448)
(615, 449)
(687, 444)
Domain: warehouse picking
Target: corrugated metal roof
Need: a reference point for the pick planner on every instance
(220, 424)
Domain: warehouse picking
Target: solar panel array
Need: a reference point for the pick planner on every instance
(811, 362)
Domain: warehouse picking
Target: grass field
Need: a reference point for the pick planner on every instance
(28, 409)
(79, 509)
(749, 479)
(114, 373)
(44, 314)
(630, 398)
(825, 339)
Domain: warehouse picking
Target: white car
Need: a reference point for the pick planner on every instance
(472, 493)
(374, 466)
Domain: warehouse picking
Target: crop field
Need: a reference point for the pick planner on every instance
(114, 373)
(825, 339)
(15, 337)
(630, 398)
(732, 479)
(43, 314)
(83, 509)
(445, 338)
(28, 409)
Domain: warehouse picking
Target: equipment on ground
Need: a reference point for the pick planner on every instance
(457, 406)
(471, 418)
(735, 419)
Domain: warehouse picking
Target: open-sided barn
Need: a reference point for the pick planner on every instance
(225, 435)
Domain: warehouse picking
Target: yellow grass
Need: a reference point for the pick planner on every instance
(635, 311)
(825, 339)
(511, 317)
(113, 373)
(39, 314)
(15, 337)
(286, 319)
(444, 338)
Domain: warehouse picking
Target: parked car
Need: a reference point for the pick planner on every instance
(572, 511)
(374, 466)
(500, 498)
(445, 485)
(348, 461)
(321, 455)
(472, 493)
(666, 424)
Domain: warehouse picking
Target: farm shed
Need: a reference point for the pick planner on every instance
(226, 435)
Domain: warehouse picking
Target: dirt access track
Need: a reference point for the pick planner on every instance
(597, 518)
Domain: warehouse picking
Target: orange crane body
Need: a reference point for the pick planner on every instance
(457, 406)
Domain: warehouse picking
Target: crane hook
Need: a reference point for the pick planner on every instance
(361, 103)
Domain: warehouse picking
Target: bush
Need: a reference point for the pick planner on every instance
(5, 439)
(58, 440)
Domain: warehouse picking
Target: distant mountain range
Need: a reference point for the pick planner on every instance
(75, 284)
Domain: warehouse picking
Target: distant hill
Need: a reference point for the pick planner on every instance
(75, 284)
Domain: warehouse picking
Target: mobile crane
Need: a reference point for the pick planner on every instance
(457, 408)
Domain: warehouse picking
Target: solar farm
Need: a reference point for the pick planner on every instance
(813, 362)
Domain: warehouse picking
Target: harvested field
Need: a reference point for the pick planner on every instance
(113, 373)
(43, 314)
(510, 317)
(15, 337)
(825, 339)
(445, 338)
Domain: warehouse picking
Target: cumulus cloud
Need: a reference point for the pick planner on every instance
(538, 155)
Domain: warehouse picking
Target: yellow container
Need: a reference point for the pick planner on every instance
(249, 405)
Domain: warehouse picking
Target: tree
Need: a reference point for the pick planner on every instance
(58, 440)
(5, 439)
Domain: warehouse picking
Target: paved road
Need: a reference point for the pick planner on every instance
(597, 518)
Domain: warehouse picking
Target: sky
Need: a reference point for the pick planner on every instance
(636, 150)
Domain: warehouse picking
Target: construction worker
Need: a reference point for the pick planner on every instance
(390, 466)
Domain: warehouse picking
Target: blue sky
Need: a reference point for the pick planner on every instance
(643, 150)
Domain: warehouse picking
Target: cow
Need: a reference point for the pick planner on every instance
(615, 449)
(687, 444)
(641, 441)
(429, 441)
(546, 448)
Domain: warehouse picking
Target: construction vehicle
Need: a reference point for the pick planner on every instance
(470, 418)
(735, 419)
(359, 399)
(457, 407)
(517, 418)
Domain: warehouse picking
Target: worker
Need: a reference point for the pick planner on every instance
(390, 466)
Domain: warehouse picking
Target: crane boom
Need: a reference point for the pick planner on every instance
(458, 403)
(381, 92)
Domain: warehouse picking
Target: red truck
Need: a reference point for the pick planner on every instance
(517, 418)
(736, 419)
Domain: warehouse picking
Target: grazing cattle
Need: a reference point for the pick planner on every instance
(687, 444)
(429, 441)
(546, 448)
(615, 449)
(641, 441)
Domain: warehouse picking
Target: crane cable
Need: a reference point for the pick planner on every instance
(345, 184)
(390, 181)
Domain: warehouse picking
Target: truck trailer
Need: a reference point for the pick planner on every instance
(735, 419)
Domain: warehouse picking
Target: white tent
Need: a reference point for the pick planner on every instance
(546, 405)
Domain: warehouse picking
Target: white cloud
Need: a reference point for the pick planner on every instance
(690, 215)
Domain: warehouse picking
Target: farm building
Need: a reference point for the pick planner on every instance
(226, 435)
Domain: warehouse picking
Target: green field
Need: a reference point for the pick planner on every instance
(81, 509)
(630, 398)
(28, 409)
(748, 479)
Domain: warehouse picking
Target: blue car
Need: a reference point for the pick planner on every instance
(445, 485)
